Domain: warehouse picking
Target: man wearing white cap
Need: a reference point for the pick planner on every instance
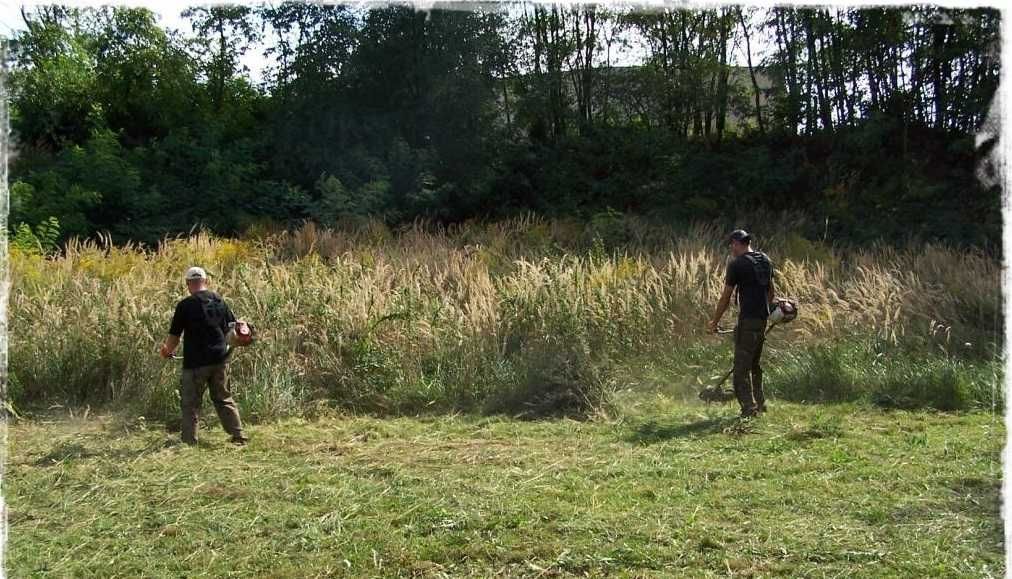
(204, 318)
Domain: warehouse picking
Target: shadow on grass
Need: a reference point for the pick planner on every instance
(654, 431)
(981, 497)
(71, 451)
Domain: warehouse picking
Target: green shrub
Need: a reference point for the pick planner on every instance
(555, 377)
(43, 239)
(937, 386)
(817, 374)
(891, 376)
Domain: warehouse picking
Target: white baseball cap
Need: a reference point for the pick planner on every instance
(195, 273)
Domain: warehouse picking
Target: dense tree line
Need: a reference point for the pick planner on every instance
(863, 118)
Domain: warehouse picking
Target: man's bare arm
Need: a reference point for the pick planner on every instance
(170, 345)
(725, 301)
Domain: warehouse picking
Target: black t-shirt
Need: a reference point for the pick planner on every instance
(752, 274)
(203, 320)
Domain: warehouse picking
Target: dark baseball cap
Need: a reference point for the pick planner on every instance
(740, 235)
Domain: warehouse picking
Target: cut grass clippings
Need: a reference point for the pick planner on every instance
(680, 491)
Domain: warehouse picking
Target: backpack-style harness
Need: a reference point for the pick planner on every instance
(213, 308)
(761, 267)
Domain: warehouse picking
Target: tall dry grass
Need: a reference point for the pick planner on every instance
(523, 316)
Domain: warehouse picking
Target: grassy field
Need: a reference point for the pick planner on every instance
(392, 393)
(669, 490)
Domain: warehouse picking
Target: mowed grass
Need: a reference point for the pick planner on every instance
(672, 489)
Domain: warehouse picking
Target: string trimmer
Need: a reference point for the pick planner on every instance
(240, 334)
(784, 311)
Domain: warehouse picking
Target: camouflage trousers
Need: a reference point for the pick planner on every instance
(191, 393)
(749, 336)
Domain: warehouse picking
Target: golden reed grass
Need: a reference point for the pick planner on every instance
(430, 315)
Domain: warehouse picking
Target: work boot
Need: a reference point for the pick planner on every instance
(239, 440)
(748, 407)
(760, 399)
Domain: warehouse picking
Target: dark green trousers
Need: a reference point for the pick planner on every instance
(191, 392)
(748, 374)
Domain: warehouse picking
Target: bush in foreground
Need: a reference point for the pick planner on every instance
(891, 377)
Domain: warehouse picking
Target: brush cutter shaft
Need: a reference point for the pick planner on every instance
(724, 379)
(782, 311)
(716, 393)
(725, 332)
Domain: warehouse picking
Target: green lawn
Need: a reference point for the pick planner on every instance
(678, 490)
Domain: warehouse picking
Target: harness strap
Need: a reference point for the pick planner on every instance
(761, 267)
(213, 308)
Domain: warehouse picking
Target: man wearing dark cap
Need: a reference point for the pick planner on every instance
(203, 320)
(751, 273)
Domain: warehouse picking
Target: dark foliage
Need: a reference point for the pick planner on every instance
(121, 126)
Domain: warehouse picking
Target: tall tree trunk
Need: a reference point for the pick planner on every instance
(219, 90)
(917, 85)
(823, 77)
(683, 50)
(937, 79)
(751, 71)
(811, 110)
(872, 82)
(843, 101)
(816, 72)
(608, 77)
(786, 36)
(576, 72)
(590, 40)
(506, 105)
(697, 81)
(833, 88)
(542, 126)
(722, 75)
(666, 75)
(942, 99)
(538, 44)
